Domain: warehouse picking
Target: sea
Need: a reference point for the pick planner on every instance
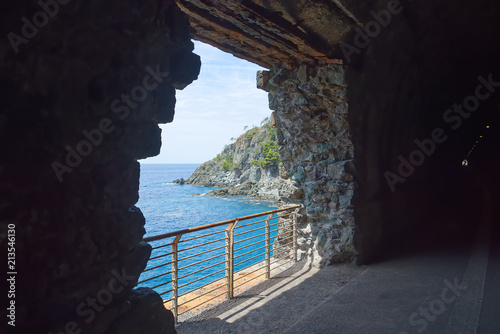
(170, 207)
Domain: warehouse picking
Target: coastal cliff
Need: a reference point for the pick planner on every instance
(250, 166)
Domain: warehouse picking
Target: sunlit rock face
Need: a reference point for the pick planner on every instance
(84, 85)
(238, 169)
(311, 116)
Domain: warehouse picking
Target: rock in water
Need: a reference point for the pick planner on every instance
(180, 181)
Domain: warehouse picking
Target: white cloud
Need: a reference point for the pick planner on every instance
(213, 109)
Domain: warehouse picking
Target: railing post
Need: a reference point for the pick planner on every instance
(268, 246)
(295, 246)
(175, 275)
(229, 250)
(230, 259)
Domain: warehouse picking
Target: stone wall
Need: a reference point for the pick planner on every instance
(83, 86)
(311, 117)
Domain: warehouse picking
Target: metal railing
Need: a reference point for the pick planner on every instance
(204, 266)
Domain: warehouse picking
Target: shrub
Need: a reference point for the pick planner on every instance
(227, 165)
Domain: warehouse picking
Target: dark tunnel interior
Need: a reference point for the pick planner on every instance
(434, 75)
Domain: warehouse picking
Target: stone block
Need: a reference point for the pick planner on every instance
(345, 200)
(263, 80)
(302, 73)
(342, 108)
(335, 75)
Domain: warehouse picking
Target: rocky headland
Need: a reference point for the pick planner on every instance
(250, 166)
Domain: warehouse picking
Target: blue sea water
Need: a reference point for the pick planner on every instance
(170, 207)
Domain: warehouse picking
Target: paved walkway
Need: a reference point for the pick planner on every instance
(442, 291)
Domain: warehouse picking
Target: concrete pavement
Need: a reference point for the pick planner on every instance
(453, 290)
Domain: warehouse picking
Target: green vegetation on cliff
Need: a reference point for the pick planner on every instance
(228, 164)
(270, 154)
(248, 166)
(260, 142)
(250, 156)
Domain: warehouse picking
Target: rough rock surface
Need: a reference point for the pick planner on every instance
(245, 178)
(82, 99)
(146, 305)
(271, 33)
(311, 117)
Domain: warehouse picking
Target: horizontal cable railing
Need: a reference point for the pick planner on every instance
(181, 269)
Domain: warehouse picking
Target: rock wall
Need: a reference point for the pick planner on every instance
(311, 117)
(83, 86)
(271, 33)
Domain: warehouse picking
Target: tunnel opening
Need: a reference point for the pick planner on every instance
(202, 177)
(61, 76)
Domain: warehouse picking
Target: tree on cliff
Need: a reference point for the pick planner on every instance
(270, 153)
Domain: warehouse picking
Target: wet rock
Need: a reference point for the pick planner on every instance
(224, 192)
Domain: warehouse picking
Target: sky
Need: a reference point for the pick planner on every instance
(213, 109)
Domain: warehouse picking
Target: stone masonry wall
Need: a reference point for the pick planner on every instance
(311, 117)
(83, 86)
